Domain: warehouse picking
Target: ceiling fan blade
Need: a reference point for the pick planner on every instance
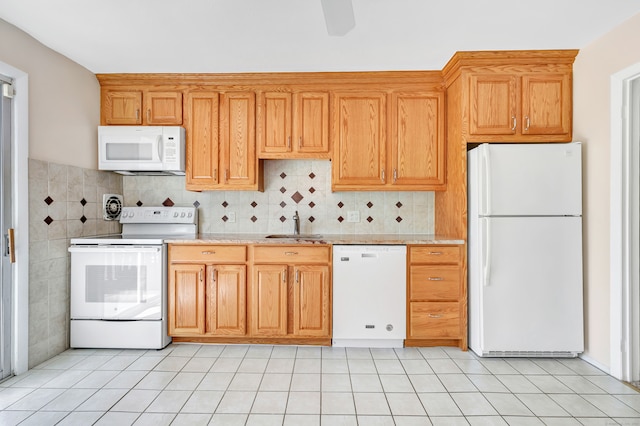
(338, 15)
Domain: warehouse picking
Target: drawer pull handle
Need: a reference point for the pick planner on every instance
(435, 315)
(436, 253)
(291, 253)
(435, 279)
(208, 252)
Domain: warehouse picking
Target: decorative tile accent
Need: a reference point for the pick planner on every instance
(225, 204)
(312, 175)
(312, 204)
(167, 203)
(398, 204)
(196, 204)
(225, 218)
(48, 220)
(283, 204)
(139, 203)
(283, 175)
(311, 219)
(369, 219)
(369, 204)
(283, 189)
(282, 219)
(341, 204)
(253, 219)
(398, 219)
(340, 219)
(312, 190)
(297, 197)
(254, 204)
(83, 219)
(83, 202)
(48, 200)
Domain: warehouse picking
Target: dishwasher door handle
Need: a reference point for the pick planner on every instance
(369, 255)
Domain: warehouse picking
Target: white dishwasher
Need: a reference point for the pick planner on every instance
(369, 296)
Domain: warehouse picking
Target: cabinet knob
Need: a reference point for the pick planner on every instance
(513, 121)
(527, 123)
(435, 279)
(435, 253)
(382, 176)
(434, 315)
(208, 252)
(291, 253)
(289, 143)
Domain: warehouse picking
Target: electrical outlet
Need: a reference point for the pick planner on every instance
(353, 216)
(232, 217)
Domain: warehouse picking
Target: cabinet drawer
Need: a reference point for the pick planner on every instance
(434, 282)
(434, 320)
(291, 254)
(207, 254)
(435, 254)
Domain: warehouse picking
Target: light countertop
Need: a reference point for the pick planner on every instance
(241, 238)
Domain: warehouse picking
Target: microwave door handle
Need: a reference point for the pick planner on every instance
(159, 142)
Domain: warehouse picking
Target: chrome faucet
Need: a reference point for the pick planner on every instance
(296, 224)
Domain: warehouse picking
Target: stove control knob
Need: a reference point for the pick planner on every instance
(189, 214)
(175, 214)
(182, 214)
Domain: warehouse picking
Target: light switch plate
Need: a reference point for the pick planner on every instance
(232, 217)
(353, 216)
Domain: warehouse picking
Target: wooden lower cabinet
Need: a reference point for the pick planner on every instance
(286, 298)
(207, 297)
(290, 292)
(436, 296)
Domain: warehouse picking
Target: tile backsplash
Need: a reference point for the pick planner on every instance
(64, 202)
(290, 185)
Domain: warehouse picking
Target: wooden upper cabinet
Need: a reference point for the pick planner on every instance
(546, 104)
(201, 122)
(238, 162)
(133, 106)
(162, 108)
(359, 136)
(494, 108)
(121, 107)
(221, 145)
(520, 107)
(293, 125)
(418, 140)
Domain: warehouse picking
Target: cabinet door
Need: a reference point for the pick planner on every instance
(201, 123)
(122, 107)
(269, 300)
(163, 108)
(418, 156)
(311, 122)
(493, 104)
(546, 104)
(238, 140)
(275, 122)
(311, 300)
(359, 139)
(226, 299)
(186, 299)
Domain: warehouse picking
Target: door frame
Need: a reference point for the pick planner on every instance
(20, 170)
(623, 306)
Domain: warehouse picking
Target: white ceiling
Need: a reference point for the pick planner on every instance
(117, 36)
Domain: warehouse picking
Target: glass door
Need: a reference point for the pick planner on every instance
(6, 224)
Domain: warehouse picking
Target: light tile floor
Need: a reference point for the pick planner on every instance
(186, 384)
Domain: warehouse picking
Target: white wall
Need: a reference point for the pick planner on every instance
(592, 71)
(64, 100)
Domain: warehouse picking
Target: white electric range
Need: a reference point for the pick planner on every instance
(119, 282)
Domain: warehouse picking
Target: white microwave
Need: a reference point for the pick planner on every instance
(142, 150)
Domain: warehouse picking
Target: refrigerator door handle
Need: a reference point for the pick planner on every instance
(486, 181)
(486, 261)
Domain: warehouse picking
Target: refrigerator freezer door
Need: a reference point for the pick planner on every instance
(529, 285)
(529, 179)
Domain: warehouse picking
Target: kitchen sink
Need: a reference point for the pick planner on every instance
(296, 236)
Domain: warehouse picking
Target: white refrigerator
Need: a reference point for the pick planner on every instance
(525, 250)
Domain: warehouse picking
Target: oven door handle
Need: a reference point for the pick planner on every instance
(118, 249)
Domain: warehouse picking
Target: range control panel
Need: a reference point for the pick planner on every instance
(159, 215)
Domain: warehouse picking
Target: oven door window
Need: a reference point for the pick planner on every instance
(122, 283)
